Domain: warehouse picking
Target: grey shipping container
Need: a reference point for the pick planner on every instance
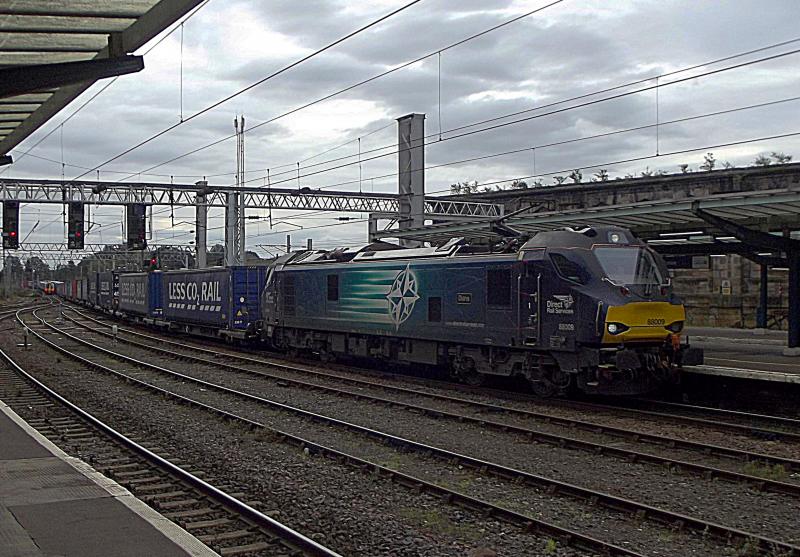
(133, 293)
(91, 296)
(107, 289)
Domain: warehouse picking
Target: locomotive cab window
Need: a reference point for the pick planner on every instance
(570, 270)
(333, 288)
(498, 287)
(435, 309)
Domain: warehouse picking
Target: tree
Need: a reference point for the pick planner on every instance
(762, 160)
(576, 176)
(537, 183)
(684, 168)
(559, 179)
(601, 175)
(781, 157)
(216, 255)
(709, 162)
(13, 264)
(727, 165)
(646, 173)
(519, 185)
(464, 188)
(35, 265)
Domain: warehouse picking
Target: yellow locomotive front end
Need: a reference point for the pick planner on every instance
(643, 322)
(642, 319)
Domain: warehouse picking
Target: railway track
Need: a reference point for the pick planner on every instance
(216, 517)
(595, 497)
(774, 422)
(526, 523)
(169, 348)
(760, 426)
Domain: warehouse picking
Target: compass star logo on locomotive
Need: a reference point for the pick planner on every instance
(402, 296)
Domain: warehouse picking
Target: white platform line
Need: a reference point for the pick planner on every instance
(175, 533)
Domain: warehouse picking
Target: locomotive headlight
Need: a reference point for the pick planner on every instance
(675, 327)
(616, 328)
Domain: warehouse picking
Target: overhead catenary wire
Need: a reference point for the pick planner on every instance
(250, 237)
(358, 84)
(569, 99)
(261, 81)
(552, 112)
(638, 159)
(177, 25)
(556, 172)
(579, 139)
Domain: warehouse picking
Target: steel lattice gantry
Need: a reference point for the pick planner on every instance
(116, 193)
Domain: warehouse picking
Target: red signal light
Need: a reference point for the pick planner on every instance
(153, 261)
(78, 233)
(12, 233)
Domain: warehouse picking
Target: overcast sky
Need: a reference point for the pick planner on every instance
(572, 48)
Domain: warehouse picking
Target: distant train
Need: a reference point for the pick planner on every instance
(591, 309)
(48, 287)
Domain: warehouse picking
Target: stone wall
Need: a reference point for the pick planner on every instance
(724, 292)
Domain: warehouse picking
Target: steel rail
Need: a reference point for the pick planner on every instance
(583, 405)
(640, 510)
(593, 427)
(269, 525)
(528, 523)
(691, 420)
(777, 420)
(550, 438)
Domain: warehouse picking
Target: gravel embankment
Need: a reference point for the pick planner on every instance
(354, 513)
(489, 445)
(715, 501)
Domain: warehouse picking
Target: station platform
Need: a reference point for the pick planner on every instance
(52, 504)
(744, 353)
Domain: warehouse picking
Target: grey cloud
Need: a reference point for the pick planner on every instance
(560, 55)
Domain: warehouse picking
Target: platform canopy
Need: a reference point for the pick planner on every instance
(51, 51)
(762, 210)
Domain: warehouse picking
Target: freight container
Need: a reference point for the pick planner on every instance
(247, 283)
(73, 289)
(133, 293)
(226, 299)
(108, 290)
(200, 297)
(140, 293)
(91, 293)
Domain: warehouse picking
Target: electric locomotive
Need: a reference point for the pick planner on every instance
(589, 309)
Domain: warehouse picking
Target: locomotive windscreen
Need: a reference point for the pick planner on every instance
(630, 265)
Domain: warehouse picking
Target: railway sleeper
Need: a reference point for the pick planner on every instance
(224, 536)
(180, 516)
(241, 549)
(727, 532)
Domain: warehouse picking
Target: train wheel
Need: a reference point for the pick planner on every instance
(464, 370)
(544, 388)
(551, 382)
(473, 378)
